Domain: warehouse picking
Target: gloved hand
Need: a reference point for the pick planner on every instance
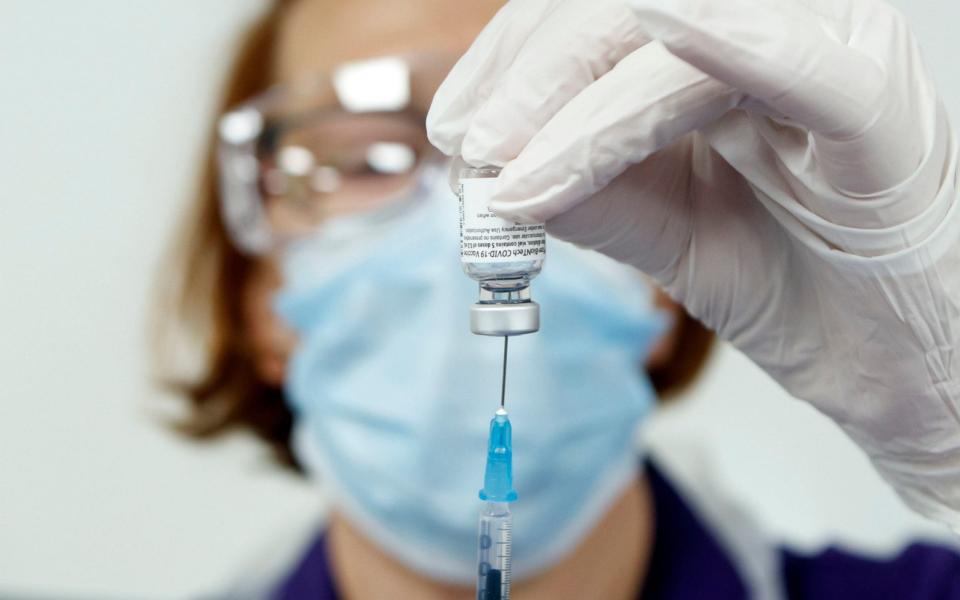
(784, 169)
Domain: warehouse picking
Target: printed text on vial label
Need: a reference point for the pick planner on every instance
(485, 237)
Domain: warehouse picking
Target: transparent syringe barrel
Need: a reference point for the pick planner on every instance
(495, 539)
(501, 256)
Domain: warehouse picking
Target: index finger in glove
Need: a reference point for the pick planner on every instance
(510, 84)
(577, 44)
(473, 77)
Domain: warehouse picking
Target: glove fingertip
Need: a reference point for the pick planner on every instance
(497, 151)
(453, 175)
(444, 135)
(516, 211)
(522, 200)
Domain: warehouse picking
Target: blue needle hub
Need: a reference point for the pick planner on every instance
(498, 477)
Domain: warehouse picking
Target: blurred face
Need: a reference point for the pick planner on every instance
(315, 37)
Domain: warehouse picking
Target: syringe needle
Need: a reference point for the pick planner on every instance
(503, 384)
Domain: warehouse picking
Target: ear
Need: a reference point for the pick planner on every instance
(666, 347)
(270, 341)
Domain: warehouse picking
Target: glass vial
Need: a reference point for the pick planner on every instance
(502, 256)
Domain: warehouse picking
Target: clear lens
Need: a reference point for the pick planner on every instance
(297, 155)
(339, 165)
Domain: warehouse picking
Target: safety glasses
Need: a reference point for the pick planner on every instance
(346, 142)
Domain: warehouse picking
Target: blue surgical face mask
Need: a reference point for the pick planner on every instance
(393, 395)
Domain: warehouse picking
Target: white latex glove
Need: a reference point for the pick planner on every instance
(783, 168)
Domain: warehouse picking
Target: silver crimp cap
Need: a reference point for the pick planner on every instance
(505, 319)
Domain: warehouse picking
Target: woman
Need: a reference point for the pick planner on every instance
(344, 306)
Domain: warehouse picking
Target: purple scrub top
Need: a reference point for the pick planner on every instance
(689, 563)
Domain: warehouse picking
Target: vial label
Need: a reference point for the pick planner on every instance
(485, 237)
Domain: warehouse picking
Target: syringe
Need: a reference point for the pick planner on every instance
(496, 522)
(503, 267)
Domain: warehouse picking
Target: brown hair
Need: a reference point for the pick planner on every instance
(204, 283)
(203, 286)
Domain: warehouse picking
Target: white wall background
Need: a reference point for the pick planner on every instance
(103, 108)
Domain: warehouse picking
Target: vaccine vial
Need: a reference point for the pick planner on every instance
(502, 256)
